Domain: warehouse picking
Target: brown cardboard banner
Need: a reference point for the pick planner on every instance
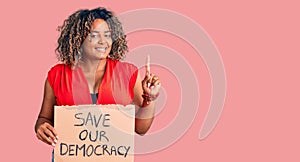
(93, 133)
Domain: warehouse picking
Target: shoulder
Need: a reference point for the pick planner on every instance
(124, 69)
(57, 71)
(58, 68)
(123, 65)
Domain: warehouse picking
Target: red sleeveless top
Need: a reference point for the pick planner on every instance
(71, 88)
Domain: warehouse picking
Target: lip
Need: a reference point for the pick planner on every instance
(101, 49)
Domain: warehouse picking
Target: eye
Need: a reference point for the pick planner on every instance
(107, 35)
(93, 35)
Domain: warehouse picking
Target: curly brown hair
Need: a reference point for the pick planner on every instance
(76, 28)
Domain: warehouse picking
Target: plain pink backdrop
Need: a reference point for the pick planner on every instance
(259, 45)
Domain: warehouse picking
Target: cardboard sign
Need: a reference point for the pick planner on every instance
(94, 133)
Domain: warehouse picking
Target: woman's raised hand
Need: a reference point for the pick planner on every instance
(150, 83)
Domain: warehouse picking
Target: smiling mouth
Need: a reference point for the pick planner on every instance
(101, 49)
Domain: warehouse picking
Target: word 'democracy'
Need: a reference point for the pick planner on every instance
(94, 132)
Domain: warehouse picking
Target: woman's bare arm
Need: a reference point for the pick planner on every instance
(44, 125)
(145, 111)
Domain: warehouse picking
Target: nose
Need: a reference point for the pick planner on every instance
(101, 40)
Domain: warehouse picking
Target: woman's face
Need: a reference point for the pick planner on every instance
(97, 44)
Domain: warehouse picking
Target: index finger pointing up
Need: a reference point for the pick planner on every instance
(148, 65)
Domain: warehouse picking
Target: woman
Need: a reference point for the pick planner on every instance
(90, 46)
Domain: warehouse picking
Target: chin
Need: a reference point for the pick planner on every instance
(103, 56)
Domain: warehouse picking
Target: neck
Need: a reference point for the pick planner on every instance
(92, 66)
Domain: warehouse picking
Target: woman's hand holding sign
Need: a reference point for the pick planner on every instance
(47, 134)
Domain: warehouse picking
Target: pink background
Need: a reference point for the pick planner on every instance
(258, 42)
